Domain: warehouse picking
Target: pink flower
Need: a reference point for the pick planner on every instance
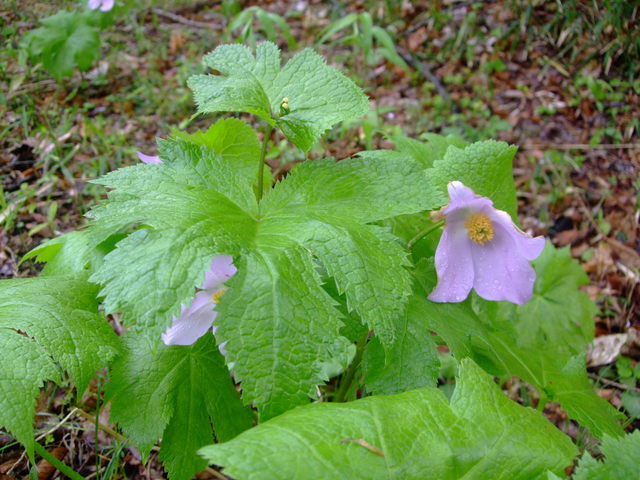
(482, 248)
(104, 5)
(196, 319)
(149, 158)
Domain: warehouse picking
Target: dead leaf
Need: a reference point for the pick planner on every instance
(605, 349)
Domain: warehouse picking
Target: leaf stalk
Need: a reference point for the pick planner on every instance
(347, 381)
(424, 233)
(263, 154)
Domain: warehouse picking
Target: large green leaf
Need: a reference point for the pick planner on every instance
(480, 434)
(374, 186)
(281, 327)
(410, 362)
(196, 209)
(62, 328)
(200, 203)
(176, 393)
(318, 96)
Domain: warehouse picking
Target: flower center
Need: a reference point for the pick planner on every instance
(479, 228)
(216, 296)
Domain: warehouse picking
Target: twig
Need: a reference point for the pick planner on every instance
(581, 146)
(424, 69)
(216, 474)
(103, 427)
(185, 21)
(611, 383)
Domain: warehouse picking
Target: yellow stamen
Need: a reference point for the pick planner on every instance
(216, 296)
(479, 228)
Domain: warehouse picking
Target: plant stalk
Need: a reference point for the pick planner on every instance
(347, 381)
(263, 154)
(424, 233)
(62, 468)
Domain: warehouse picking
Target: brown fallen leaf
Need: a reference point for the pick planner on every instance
(45, 469)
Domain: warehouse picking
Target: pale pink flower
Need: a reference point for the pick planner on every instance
(196, 319)
(482, 248)
(103, 5)
(148, 158)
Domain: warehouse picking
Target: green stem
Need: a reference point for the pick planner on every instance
(542, 402)
(347, 380)
(62, 468)
(424, 233)
(263, 154)
(97, 427)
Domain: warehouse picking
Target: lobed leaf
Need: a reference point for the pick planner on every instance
(281, 329)
(621, 459)
(61, 330)
(318, 95)
(65, 40)
(176, 393)
(410, 362)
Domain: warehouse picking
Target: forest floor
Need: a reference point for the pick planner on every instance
(477, 69)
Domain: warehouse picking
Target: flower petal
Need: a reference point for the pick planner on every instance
(194, 321)
(148, 158)
(93, 4)
(221, 270)
(107, 5)
(463, 198)
(454, 265)
(529, 248)
(500, 271)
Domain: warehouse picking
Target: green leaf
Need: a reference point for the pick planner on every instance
(60, 330)
(480, 434)
(319, 96)
(232, 139)
(198, 204)
(544, 320)
(485, 167)
(368, 266)
(427, 152)
(371, 187)
(196, 210)
(621, 459)
(66, 40)
(74, 252)
(176, 393)
(410, 362)
(476, 329)
(281, 328)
